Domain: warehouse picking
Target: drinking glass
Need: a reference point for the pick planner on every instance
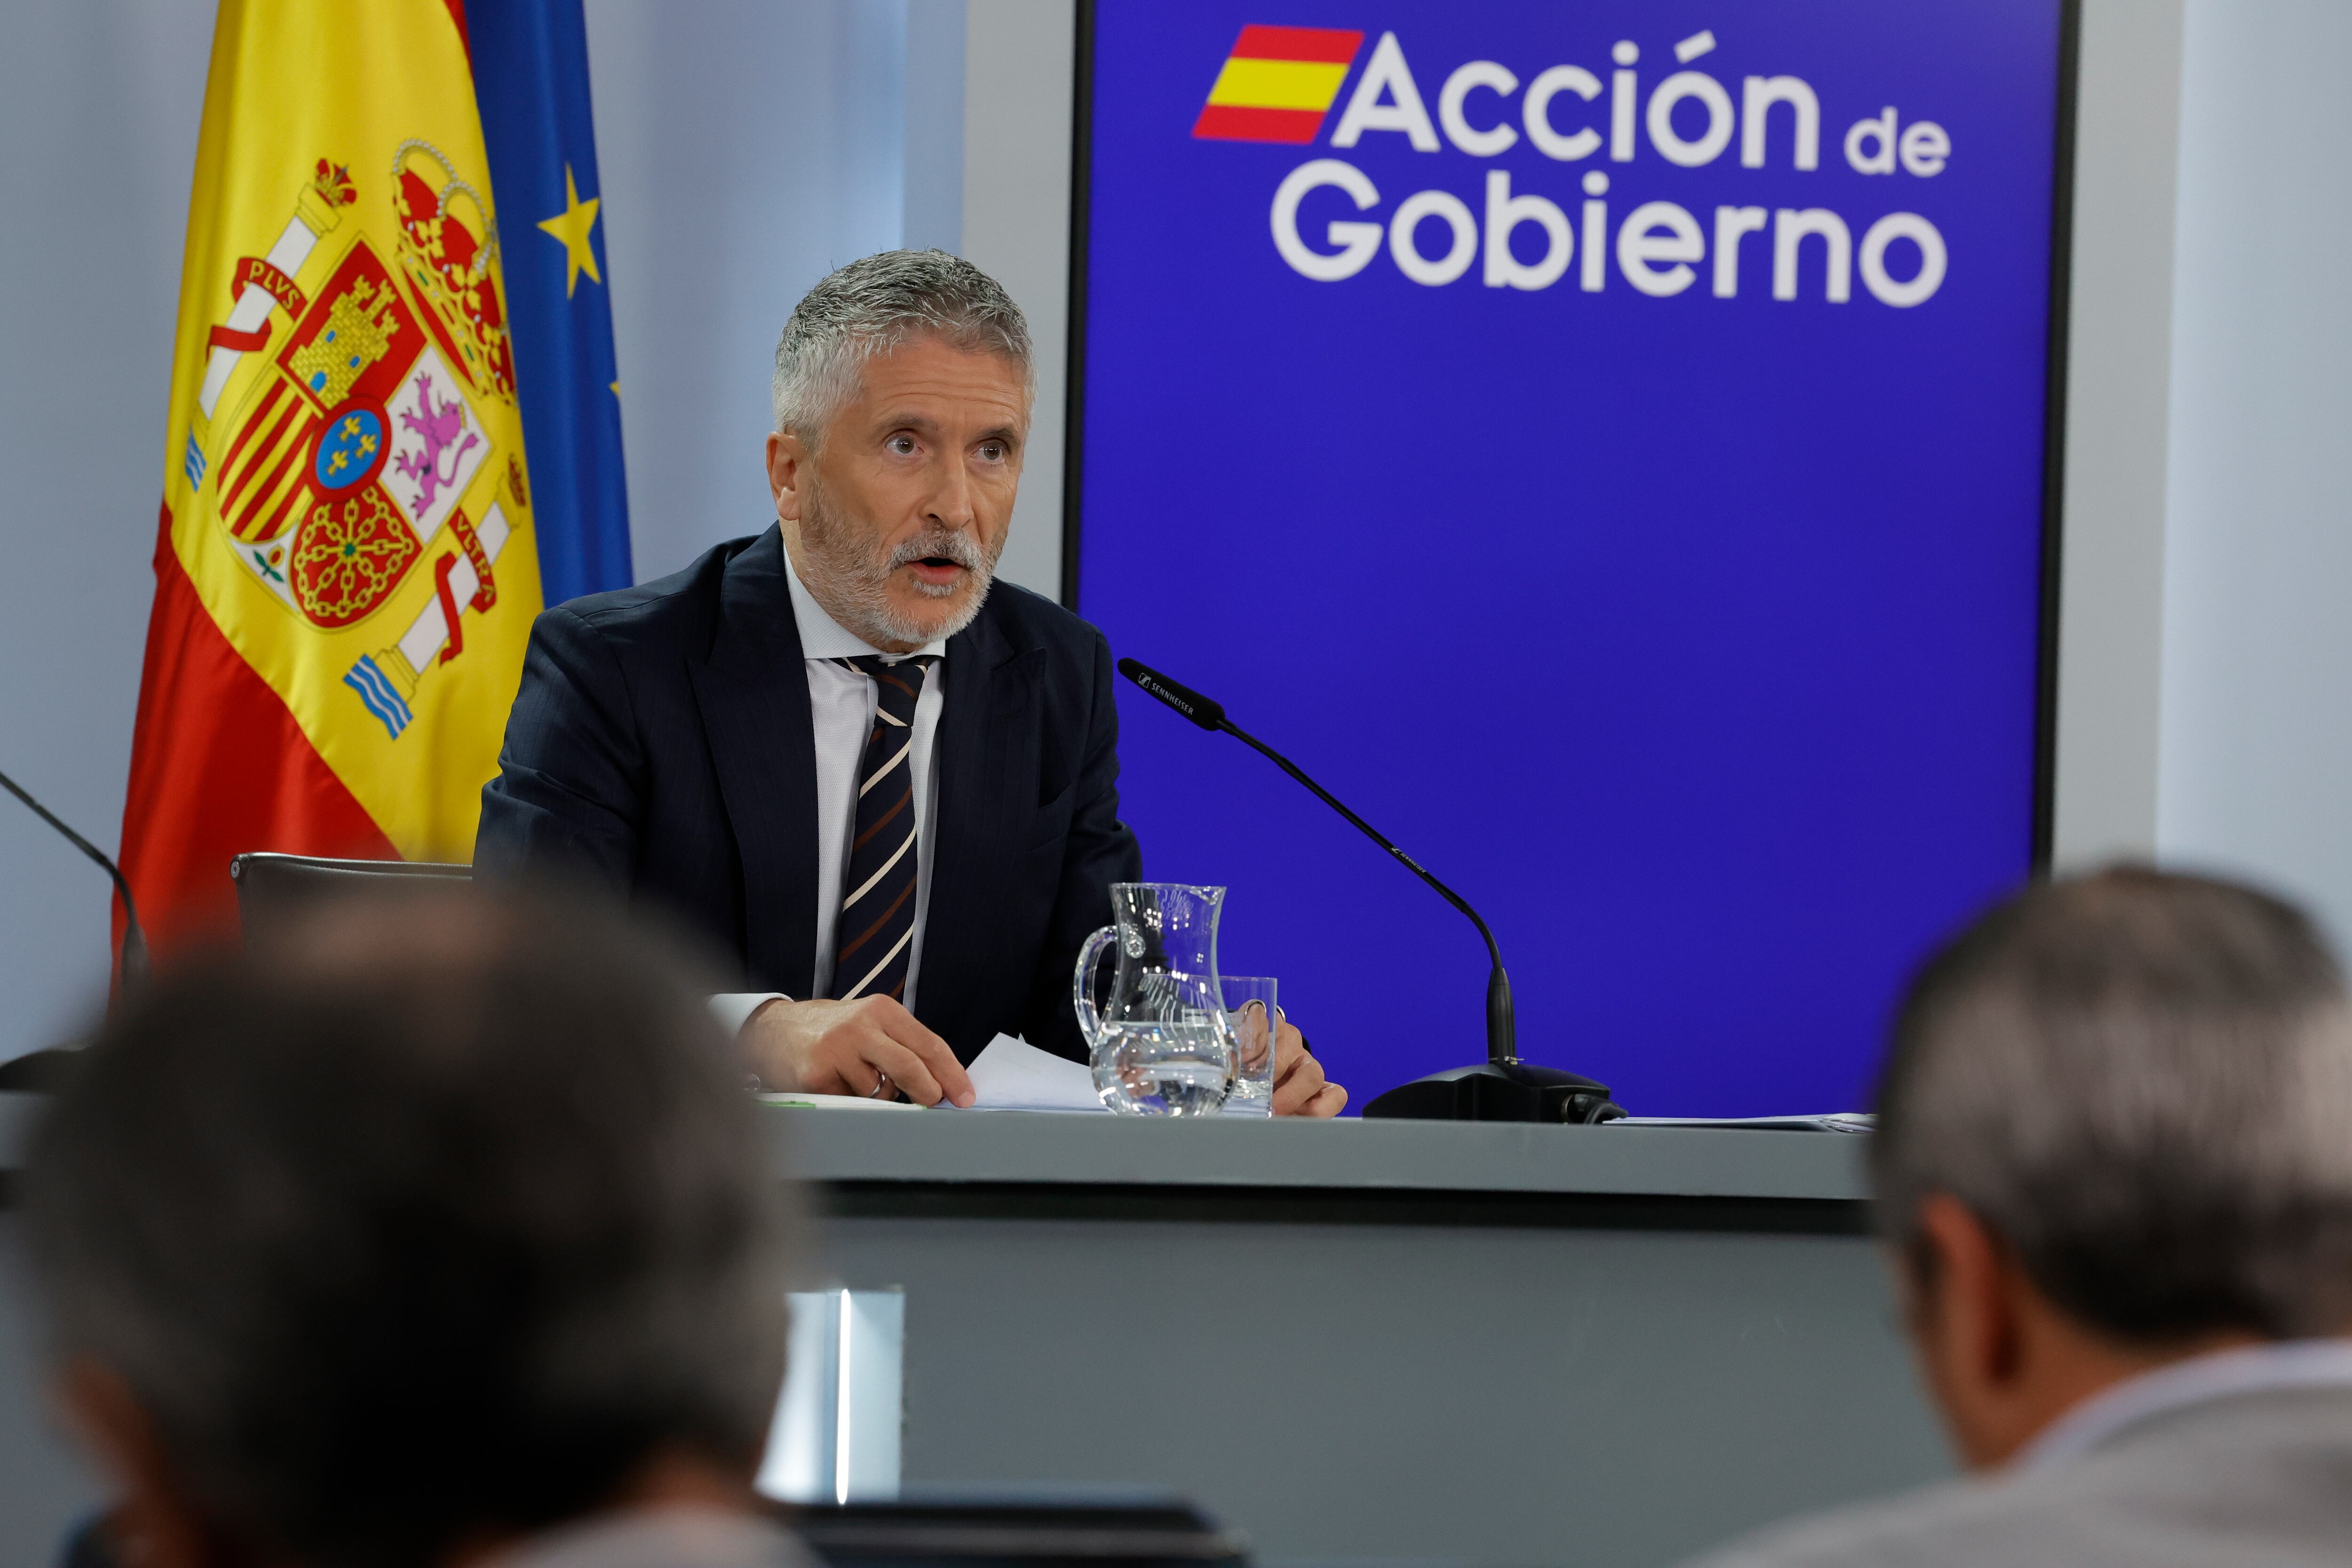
(1250, 1008)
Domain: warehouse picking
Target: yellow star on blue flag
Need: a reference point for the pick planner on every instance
(572, 226)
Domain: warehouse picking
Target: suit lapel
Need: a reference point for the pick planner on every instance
(978, 821)
(753, 691)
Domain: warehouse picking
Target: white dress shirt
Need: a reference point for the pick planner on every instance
(841, 706)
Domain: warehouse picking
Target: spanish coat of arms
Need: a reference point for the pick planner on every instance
(345, 463)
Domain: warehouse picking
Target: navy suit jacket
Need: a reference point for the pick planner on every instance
(662, 745)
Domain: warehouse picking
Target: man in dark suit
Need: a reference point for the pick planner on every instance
(889, 788)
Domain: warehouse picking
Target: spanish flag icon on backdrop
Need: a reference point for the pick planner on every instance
(353, 536)
(1277, 84)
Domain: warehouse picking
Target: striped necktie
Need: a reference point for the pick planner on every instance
(876, 930)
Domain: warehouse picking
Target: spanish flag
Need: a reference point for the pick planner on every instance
(347, 566)
(1277, 84)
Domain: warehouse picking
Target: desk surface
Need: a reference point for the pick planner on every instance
(1041, 1149)
(1045, 1149)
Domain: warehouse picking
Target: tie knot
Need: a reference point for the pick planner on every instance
(897, 682)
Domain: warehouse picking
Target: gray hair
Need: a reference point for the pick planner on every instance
(869, 308)
(2142, 1083)
(432, 1218)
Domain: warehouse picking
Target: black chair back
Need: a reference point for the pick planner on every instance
(272, 888)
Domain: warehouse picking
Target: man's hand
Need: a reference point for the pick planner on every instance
(1299, 1086)
(849, 1048)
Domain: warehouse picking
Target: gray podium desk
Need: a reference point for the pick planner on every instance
(1493, 1344)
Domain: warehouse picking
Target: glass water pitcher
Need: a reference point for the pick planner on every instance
(1159, 1039)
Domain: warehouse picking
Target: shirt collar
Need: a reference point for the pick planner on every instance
(822, 636)
(2251, 1369)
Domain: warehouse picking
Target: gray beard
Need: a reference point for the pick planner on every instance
(850, 580)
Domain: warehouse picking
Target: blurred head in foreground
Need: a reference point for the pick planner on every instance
(434, 1224)
(2116, 1131)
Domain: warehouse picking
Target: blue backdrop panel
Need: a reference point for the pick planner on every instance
(1693, 637)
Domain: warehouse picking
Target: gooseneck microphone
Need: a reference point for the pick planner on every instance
(1505, 1088)
(134, 941)
(1502, 1045)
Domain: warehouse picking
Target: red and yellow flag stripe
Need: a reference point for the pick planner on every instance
(1277, 84)
(347, 568)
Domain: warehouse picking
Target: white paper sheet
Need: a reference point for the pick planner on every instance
(1834, 1121)
(1014, 1075)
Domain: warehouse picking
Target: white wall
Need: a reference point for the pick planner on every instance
(98, 107)
(746, 149)
(2119, 337)
(2256, 755)
(934, 144)
(1017, 195)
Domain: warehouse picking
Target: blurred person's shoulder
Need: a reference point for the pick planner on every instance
(662, 1538)
(2254, 1478)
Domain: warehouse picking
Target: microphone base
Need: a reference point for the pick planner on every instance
(1499, 1091)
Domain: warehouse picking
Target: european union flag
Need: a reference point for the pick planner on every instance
(530, 80)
